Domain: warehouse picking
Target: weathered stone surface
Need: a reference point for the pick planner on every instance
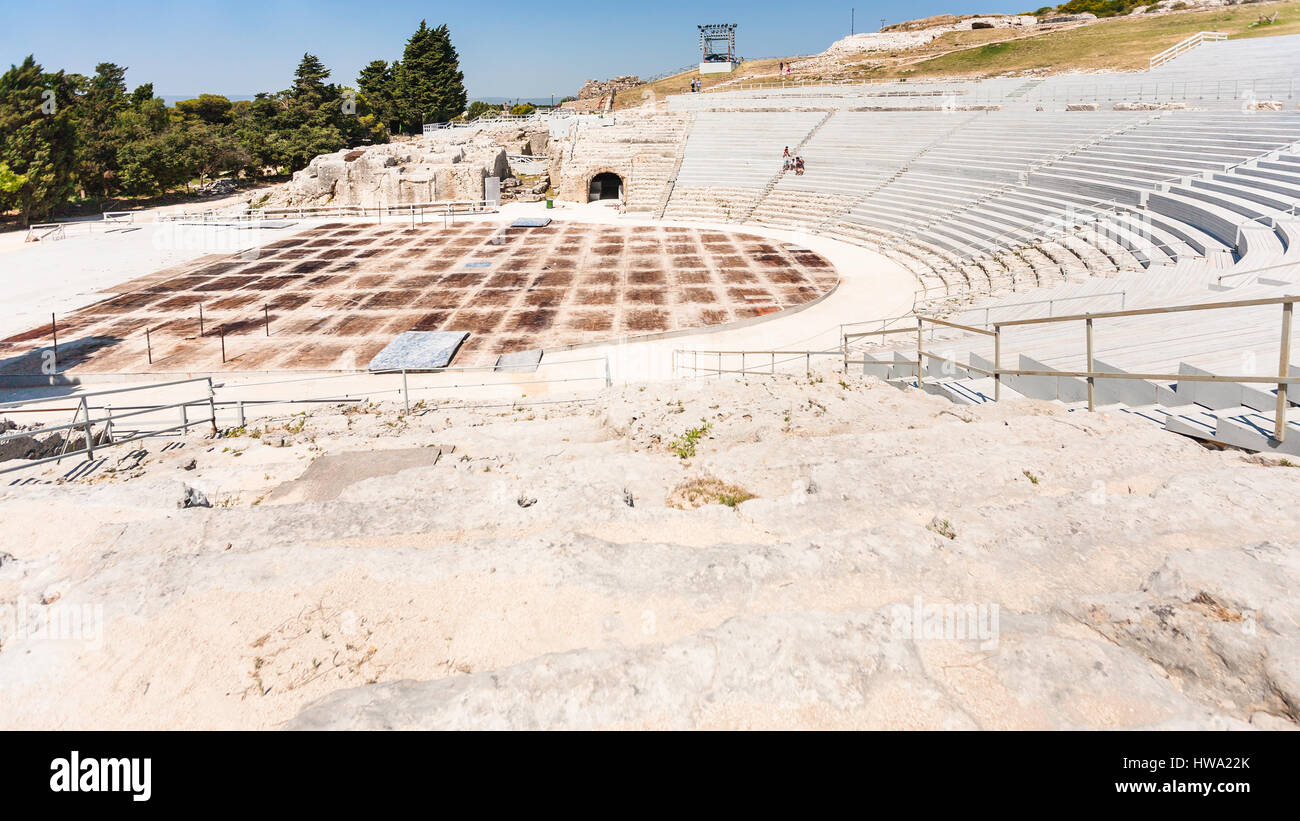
(535, 576)
(639, 146)
(1150, 105)
(596, 89)
(192, 497)
(449, 165)
(1085, 17)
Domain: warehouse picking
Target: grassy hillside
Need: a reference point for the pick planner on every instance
(681, 83)
(1125, 43)
(1118, 43)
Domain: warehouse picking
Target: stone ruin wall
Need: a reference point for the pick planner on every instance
(449, 165)
(640, 148)
(596, 89)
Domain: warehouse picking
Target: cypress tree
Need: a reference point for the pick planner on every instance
(310, 76)
(430, 84)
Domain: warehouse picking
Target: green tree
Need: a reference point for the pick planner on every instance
(142, 94)
(310, 76)
(104, 98)
(213, 109)
(478, 108)
(430, 84)
(378, 84)
(37, 137)
(9, 181)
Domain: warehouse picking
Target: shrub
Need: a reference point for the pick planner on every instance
(695, 493)
(684, 445)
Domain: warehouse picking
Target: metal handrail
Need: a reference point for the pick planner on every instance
(129, 389)
(1283, 378)
(772, 362)
(84, 420)
(257, 214)
(1169, 309)
(1234, 274)
(108, 420)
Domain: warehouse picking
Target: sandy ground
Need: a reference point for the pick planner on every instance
(40, 278)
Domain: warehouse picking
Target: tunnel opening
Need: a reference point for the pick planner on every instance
(605, 186)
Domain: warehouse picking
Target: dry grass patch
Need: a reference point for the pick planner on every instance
(681, 83)
(694, 493)
(1117, 43)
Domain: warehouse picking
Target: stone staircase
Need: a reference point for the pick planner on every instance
(1235, 414)
(776, 178)
(678, 155)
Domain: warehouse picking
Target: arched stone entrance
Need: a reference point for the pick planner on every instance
(605, 186)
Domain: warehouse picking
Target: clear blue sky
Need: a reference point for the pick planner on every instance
(507, 49)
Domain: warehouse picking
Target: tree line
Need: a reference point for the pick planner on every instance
(66, 137)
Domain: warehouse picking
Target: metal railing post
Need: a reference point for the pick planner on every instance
(1092, 382)
(406, 394)
(212, 406)
(609, 380)
(90, 433)
(1283, 371)
(920, 343)
(997, 363)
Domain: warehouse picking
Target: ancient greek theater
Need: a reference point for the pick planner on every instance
(943, 377)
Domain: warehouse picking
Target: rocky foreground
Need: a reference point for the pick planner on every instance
(902, 563)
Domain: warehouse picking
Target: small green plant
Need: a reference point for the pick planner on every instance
(844, 385)
(1030, 476)
(684, 445)
(943, 527)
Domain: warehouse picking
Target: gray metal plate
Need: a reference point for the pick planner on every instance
(419, 351)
